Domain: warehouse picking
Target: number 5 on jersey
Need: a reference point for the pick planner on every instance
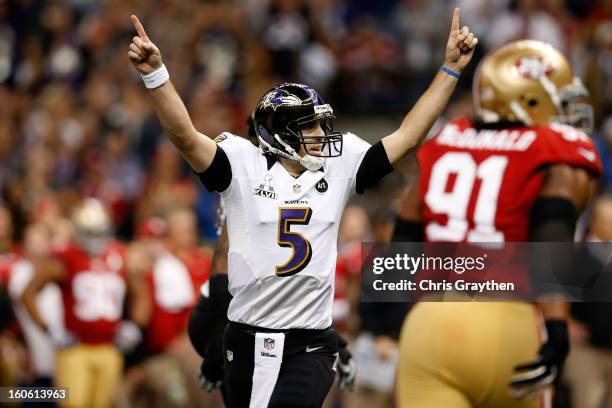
(302, 250)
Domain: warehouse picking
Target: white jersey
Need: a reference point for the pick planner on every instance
(282, 234)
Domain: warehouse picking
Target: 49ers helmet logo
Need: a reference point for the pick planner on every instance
(533, 67)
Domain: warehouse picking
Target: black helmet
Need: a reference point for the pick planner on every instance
(281, 114)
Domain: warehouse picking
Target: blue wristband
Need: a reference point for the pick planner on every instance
(450, 72)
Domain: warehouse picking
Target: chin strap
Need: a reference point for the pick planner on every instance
(309, 162)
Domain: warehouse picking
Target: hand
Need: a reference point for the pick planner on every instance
(144, 55)
(347, 369)
(210, 376)
(533, 378)
(384, 347)
(60, 337)
(460, 46)
(128, 336)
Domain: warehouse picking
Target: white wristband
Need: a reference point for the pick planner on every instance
(156, 78)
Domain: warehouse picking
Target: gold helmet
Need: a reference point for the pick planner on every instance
(93, 225)
(531, 82)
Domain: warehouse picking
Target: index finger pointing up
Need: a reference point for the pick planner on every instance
(139, 28)
(455, 21)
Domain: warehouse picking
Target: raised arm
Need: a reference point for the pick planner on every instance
(197, 149)
(416, 124)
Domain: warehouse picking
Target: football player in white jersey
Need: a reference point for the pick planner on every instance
(283, 202)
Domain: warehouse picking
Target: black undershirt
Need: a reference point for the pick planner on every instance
(374, 166)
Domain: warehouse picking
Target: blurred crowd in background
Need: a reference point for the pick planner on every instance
(75, 120)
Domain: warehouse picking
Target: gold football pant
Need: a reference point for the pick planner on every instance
(91, 373)
(462, 354)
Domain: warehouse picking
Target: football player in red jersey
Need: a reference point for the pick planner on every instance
(91, 277)
(171, 267)
(175, 279)
(518, 173)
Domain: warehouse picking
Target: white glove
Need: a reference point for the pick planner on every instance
(128, 335)
(60, 337)
(347, 369)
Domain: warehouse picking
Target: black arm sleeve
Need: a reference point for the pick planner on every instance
(407, 231)
(383, 318)
(552, 220)
(209, 318)
(220, 298)
(6, 310)
(218, 176)
(342, 343)
(374, 166)
(201, 324)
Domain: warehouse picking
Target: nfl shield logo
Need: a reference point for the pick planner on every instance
(297, 188)
(268, 344)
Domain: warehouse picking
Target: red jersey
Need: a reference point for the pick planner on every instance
(478, 185)
(174, 285)
(348, 267)
(6, 262)
(93, 291)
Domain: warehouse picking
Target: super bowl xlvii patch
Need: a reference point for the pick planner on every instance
(265, 189)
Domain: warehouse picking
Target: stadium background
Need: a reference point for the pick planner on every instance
(75, 119)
